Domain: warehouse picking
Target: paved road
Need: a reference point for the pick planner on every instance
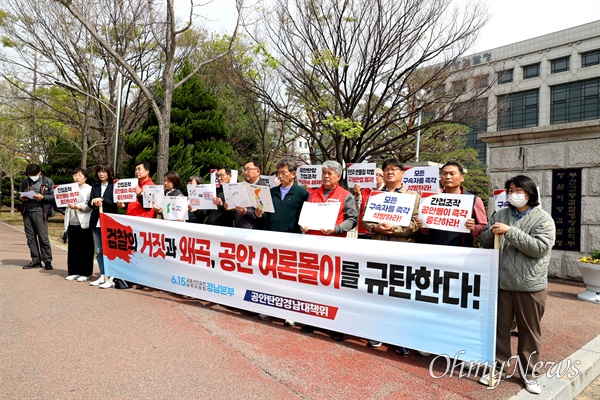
(67, 340)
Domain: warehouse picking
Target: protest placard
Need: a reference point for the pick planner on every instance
(422, 179)
(363, 174)
(66, 194)
(201, 197)
(310, 175)
(319, 216)
(396, 208)
(175, 208)
(153, 195)
(124, 190)
(445, 211)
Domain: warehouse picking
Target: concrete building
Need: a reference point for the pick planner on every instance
(543, 120)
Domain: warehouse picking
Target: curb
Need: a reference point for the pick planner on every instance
(568, 388)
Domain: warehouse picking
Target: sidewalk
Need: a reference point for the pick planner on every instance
(67, 340)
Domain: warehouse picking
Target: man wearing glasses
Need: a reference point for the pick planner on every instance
(245, 217)
(221, 216)
(393, 172)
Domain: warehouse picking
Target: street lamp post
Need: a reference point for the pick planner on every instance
(116, 113)
(420, 95)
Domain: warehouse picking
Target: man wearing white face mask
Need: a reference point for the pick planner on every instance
(36, 211)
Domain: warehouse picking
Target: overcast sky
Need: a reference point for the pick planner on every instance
(510, 20)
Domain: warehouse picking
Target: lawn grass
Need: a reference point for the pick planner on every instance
(55, 224)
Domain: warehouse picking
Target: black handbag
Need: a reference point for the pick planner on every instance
(65, 236)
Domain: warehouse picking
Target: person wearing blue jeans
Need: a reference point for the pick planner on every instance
(101, 197)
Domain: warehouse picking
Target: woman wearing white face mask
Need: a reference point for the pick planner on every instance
(527, 234)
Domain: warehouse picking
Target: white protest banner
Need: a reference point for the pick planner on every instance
(213, 176)
(319, 216)
(236, 195)
(446, 211)
(66, 194)
(363, 174)
(437, 299)
(124, 190)
(268, 180)
(175, 208)
(310, 175)
(422, 179)
(153, 195)
(393, 207)
(500, 200)
(261, 195)
(201, 196)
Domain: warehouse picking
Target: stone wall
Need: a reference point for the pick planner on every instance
(535, 152)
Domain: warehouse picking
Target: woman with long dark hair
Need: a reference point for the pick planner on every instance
(101, 197)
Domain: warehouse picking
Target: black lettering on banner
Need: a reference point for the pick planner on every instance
(350, 274)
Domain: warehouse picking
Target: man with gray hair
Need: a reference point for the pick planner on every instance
(331, 191)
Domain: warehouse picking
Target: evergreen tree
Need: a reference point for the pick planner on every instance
(198, 138)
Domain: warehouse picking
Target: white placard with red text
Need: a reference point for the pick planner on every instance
(310, 175)
(66, 194)
(437, 299)
(395, 208)
(446, 211)
(422, 179)
(201, 196)
(363, 174)
(124, 190)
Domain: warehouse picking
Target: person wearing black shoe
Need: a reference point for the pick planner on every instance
(37, 197)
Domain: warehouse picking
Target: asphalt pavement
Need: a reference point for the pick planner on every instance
(67, 340)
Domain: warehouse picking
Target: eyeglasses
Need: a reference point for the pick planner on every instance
(249, 169)
(283, 173)
(380, 175)
(221, 176)
(393, 170)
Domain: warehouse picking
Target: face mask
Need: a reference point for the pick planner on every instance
(34, 178)
(517, 200)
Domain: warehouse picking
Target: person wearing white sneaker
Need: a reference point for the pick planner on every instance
(101, 198)
(108, 284)
(80, 253)
(72, 277)
(527, 234)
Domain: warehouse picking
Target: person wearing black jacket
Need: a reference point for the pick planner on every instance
(36, 211)
(101, 197)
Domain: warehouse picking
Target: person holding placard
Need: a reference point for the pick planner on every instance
(171, 184)
(361, 196)
(452, 177)
(527, 235)
(37, 197)
(245, 217)
(393, 172)
(330, 191)
(136, 208)
(101, 197)
(221, 216)
(288, 198)
(80, 253)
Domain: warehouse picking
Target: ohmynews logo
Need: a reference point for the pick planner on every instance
(464, 369)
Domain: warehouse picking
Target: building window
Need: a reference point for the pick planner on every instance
(518, 110)
(531, 71)
(559, 65)
(481, 81)
(576, 101)
(590, 58)
(459, 87)
(505, 76)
